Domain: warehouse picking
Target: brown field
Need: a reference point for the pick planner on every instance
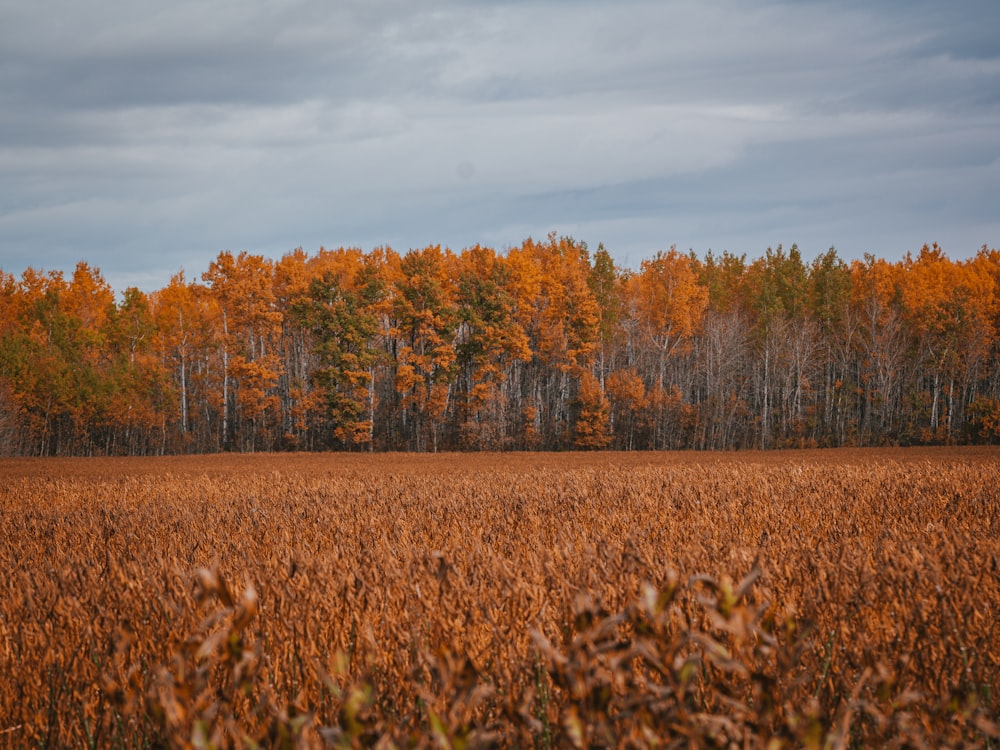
(799, 599)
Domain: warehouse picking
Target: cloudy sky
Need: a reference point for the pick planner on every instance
(146, 137)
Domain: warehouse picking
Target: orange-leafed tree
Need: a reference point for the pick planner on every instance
(949, 306)
(141, 396)
(566, 316)
(186, 315)
(525, 287)
(666, 304)
(592, 429)
(556, 307)
(54, 359)
(302, 406)
(668, 301)
(37, 361)
(626, 394)
(423, 325)
(249, 326)
(988, 261)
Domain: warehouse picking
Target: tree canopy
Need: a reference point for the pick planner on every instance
(543, 346)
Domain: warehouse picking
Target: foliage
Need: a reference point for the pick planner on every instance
(544, 346)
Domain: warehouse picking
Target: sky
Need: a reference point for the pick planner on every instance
(146, 137)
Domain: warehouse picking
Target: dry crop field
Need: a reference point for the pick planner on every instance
(801, 599)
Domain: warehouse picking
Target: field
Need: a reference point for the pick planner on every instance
(799, 599)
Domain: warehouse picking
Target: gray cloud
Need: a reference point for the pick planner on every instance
(144, 137)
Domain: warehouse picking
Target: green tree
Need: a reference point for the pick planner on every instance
(490, 343)
(341, 312)
(776, 290)
(606, 282)
(830, 289)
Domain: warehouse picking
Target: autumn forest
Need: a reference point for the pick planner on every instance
(547, 345)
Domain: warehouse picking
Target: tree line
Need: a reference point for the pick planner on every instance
(545, 346)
